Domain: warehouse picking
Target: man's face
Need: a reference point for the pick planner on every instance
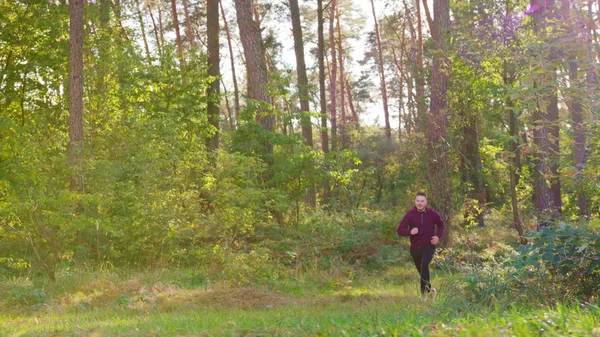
(420, 202)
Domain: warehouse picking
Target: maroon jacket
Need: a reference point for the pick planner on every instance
(427, 222)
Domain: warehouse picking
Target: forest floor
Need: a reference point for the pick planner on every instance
(183, 303)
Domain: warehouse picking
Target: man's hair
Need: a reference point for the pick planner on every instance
(421, 194)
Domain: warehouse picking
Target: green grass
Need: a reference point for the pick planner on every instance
(183, 303)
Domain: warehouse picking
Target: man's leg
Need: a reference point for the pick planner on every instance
(428, 253)
(417, 256)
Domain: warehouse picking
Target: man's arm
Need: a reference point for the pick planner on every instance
(439, 223)
(404, 226)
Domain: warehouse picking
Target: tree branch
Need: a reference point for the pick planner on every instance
(428, 14)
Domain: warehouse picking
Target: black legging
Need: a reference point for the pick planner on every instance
(422, 258)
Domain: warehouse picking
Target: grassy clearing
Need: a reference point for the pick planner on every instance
(181, 303)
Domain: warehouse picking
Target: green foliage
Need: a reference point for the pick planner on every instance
(123, 301)
(28, 298)
(477, 247)
(561, 262)
(487, 286)
(154, 197)
(384, 173)
(244, 268)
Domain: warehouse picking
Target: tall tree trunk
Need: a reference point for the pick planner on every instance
(576, 109)
(592, 89)
(419, 119)
(515, 152)
(474, 167)
(236, 92)
(333, 76)
(342, 82)
(157, 34)
(311, 194)
(544, 198)
(76, 94)
(256, 68)
(438, 124)
(386, 113)
(546, 132)
(554, 129)
(143, 28)
(513, 178)
(229, 116)
(430, 21)
(322, 90)
(161, 27)
(177, 34)
(579, 133)
(420, 78)
(188, 23)
(301, 71)
(351, 104)
(413, 58)
(401, 88)
(409, 123)
(400, 74)
(212, 32)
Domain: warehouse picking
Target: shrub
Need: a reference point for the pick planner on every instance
(32, 298)
(561, 261)
(487, 285)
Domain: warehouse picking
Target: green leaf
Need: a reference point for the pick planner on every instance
(594, 225)
(548, 256)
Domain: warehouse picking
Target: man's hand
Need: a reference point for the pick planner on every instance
(414, 231)
(435, 240)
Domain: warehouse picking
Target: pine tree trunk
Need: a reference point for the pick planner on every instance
(311, 197)
(401, 88)
(413, 58)
(322, 90)
(430, 21)
(544, 202)
(161, 28)
(576, 109)
(351, 104)
(333, 76)
(236, 92)
(156, 31)
(342, 82)
(579, 135)
(546, 132)
(401, 76)
(515, 152)
(386, 112)
(177, 34)
(301, 72)
(421, 117)
(227, 106)
(438, 124)
(213, 91)
(188, 23)
(256, 67)
(76, 94)
(143, 28)
(474, 166)
(554, 129)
